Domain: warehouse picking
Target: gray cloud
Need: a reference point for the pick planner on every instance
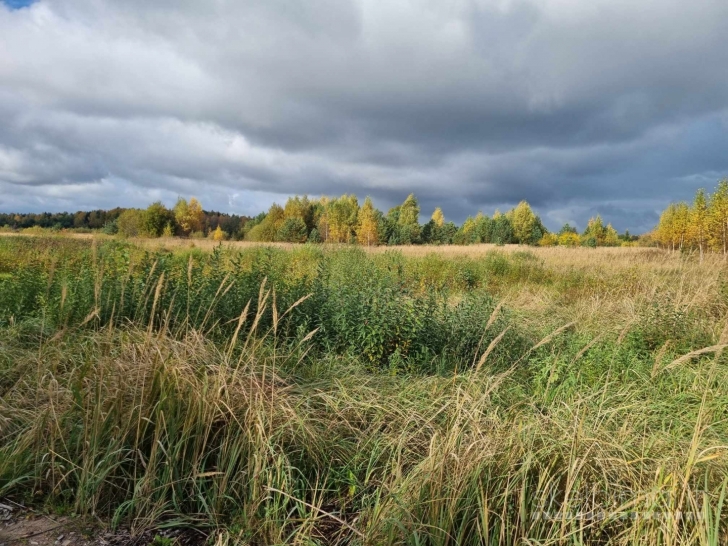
(611, 106)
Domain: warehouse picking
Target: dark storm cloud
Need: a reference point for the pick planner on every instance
(611, 106)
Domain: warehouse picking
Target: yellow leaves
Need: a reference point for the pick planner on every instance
(340, 219)
(569, 239)
(367, 229)
(549, 239)
(523, 220)
(702, 225)
(189, 216)
(438, 217)
(219, 234)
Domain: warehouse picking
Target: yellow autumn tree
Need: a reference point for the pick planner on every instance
(569, 238)
(219, 234)
(267, 229)
(367, 226)
(341, 217)
(549, 239)
(189, 216)
(523, 221)
(468, 225)
(611, 237)
(681, 223)
(666, 228)
(438, 217)
(719, 218)
(301, 208)
(698, 229)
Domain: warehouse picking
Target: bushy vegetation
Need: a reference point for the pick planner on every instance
(375, 307)
(324, 395)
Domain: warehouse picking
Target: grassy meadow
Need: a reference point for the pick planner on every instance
(316, 394)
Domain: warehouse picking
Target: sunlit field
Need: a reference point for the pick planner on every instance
(322, 394)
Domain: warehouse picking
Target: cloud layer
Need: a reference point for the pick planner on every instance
(608, 106)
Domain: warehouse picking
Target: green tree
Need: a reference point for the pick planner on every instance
(502, 233)
(314, 236)
(409, 211)
(266, 229)
(111, 227)
(595, 233)
(527, 228)
(483, 229)
(405, 219)
(130, 223)
(611, 237)
(292, 230)
(155, 218)
(79, 219)
(300, 207)
(466, 234)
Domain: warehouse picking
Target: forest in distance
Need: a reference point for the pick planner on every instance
(322, 220)
(700, 226)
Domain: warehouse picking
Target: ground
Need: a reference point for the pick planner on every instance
(20, 525)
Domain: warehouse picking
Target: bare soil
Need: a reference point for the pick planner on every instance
(22, 526)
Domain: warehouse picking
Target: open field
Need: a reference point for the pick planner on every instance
(336, 395)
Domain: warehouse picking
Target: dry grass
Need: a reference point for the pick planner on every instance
(188, 434)
(596, 434)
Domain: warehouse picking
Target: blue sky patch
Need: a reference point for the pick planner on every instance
(18, 4)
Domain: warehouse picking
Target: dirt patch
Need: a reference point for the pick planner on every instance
(21, 526)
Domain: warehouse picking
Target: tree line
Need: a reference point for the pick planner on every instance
(185, 219)
(328, 220)
(342, 220)
(700, 226)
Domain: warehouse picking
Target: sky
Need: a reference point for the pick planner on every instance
(611, 107)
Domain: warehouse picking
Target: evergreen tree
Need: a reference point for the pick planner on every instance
(502, 233)
(292, 230)
(314, 236)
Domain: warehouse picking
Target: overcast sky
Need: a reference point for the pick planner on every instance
(580, 107)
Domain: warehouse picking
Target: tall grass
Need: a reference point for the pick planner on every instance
(184, 408)
(358, 305)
